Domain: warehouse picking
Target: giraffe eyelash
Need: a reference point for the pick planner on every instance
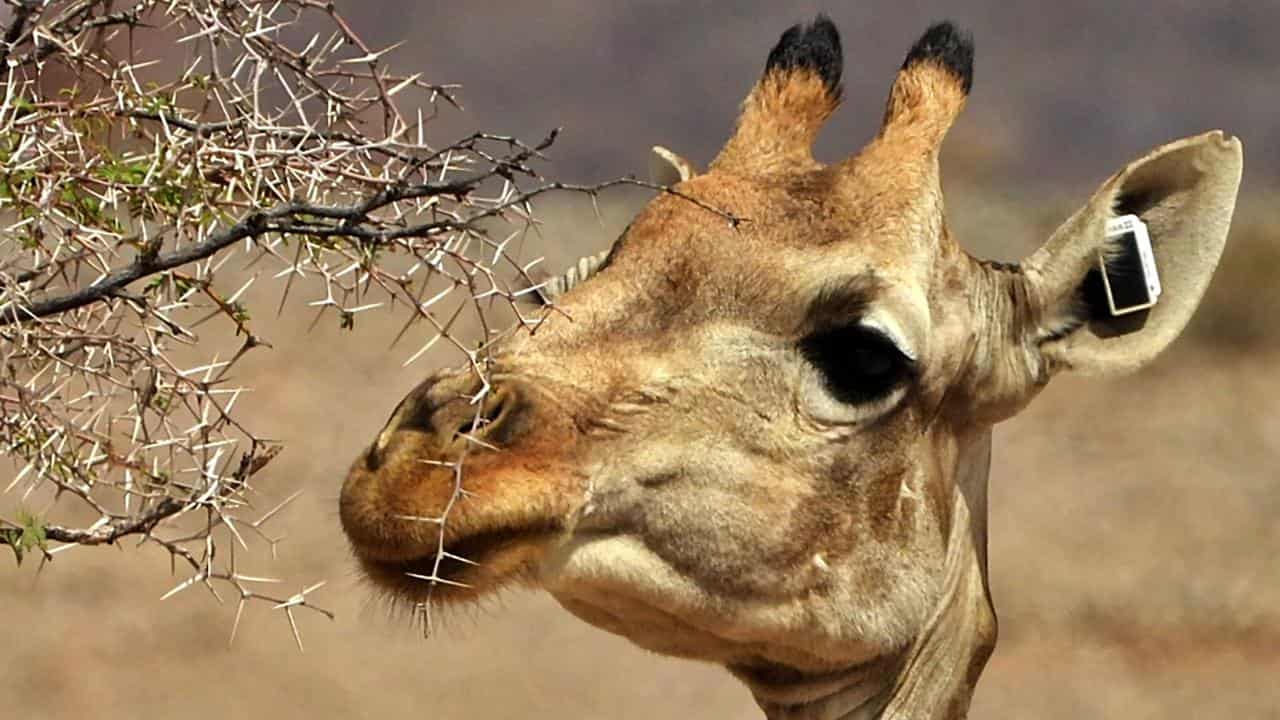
(577, 274)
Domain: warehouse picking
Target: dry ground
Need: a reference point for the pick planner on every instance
(1133, 534)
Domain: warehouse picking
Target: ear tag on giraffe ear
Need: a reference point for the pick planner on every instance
(1128, 266)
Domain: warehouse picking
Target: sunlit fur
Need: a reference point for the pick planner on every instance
(671, 469)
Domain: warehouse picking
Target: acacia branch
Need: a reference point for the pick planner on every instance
(112, 530)
(113, 283)
(355, 225)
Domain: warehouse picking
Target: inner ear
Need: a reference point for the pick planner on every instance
(1161, 193)
(1185, 193)
(1142, 195)
(1098, 317)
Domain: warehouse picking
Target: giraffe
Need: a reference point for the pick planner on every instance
(765, 444)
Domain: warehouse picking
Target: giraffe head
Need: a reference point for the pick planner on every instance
(764, 442)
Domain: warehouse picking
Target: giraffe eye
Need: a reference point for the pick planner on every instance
(858, 364)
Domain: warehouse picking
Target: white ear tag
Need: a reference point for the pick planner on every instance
(1129, 271)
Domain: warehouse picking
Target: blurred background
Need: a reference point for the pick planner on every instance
(1133, 521)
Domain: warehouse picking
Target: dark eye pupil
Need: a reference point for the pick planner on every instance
(858, 365)
(870, 362)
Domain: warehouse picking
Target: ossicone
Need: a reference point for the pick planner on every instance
(798, 91)
(813, 48)
(931, 88)
(947, 47)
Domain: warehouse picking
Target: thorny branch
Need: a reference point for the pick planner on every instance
(144, 145)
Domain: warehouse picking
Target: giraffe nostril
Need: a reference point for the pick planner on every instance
(481, 421)
(413, 413)
(445, 414)
(373, 458)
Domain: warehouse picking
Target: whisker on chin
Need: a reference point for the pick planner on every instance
(429, 618)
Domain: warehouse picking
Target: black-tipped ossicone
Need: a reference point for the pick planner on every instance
(948, 46)
(815, 47)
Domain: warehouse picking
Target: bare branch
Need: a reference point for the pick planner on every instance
(113, 530)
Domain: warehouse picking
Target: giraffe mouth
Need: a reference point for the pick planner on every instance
(465, 568)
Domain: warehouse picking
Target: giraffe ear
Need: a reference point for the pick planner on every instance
(1185, 192)
(667, 168)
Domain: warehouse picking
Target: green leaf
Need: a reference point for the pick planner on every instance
(23, 106)
(31, 535)
(10, 537)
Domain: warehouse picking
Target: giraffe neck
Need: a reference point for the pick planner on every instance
(941, 669)
(935, 677)
(856, 693)
(932, 680)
